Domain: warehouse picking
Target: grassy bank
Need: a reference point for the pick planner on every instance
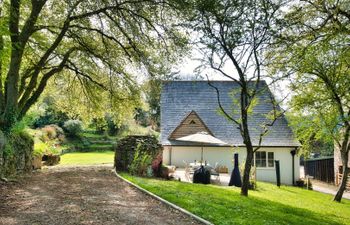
(267, 205)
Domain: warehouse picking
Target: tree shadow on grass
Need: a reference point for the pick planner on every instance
(253, 210)
(222, 206)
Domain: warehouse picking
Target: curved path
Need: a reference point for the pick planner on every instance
(81, 195)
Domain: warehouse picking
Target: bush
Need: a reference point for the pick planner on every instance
(73, 127)
(52, 132)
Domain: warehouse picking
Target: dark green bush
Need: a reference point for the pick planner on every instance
(51, 116)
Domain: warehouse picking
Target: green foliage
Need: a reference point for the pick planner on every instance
(47, 140)
(8, 150)
(22, 124)
(73, 128)
(51, 116)
(40, 148)
(112, 127)
(266, 205)
(130, 127)
(98, 124)
(141, 117)
(105, 124)
(152, 91)
(141, 162)
(312, 132)
(318, 57)
(88, 55)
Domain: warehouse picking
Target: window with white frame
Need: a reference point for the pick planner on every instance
(270, 159)
(264, 159)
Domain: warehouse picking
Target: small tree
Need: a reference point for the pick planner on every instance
(235, 35)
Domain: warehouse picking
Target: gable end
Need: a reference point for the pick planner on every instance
(191, 124)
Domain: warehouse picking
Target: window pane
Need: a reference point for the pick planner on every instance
(271, 159)
(260, 159)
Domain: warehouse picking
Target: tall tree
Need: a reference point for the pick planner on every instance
(234, 35)
(95, 42)
(314, 47)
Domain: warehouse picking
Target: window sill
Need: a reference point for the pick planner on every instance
(265, 168)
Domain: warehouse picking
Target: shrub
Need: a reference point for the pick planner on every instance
(73, 127)
(50, 132)
(40, 148)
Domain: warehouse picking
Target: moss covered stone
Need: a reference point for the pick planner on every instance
(15, 153)
(127, 147)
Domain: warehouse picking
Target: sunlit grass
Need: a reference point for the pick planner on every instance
(267, 205)
(87, 158)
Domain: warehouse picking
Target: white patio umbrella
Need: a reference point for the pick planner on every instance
(202, 138)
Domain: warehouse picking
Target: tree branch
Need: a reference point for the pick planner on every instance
(37, 68)
(221, 107)
(71, 66)
(35, 94)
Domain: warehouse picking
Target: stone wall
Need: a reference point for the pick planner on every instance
(15, 154)
(2, 148)
(126, 148)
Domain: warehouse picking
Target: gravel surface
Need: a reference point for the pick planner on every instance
(81, 195)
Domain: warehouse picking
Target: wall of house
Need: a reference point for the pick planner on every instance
(176, 155)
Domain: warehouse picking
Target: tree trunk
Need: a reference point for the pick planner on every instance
(11, 91)
(246, 138)
(346, 170)
(246, 173)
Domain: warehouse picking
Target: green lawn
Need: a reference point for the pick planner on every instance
(87, 158)
(267, 205)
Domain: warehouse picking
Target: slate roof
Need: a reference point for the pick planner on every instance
(179, 98)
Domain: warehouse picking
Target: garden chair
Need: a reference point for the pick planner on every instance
(214, 172)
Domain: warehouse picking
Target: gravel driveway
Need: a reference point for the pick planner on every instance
(81, 195)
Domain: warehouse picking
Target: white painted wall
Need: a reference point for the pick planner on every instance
(175, 155)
